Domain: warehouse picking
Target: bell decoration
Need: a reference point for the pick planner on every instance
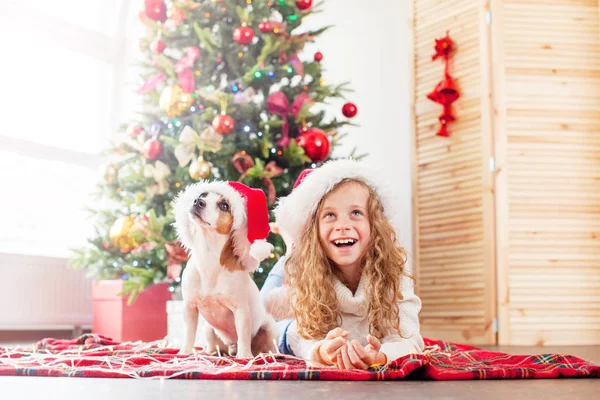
(445, 118)
(445, 92)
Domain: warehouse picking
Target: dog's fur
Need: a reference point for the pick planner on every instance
(216, 281)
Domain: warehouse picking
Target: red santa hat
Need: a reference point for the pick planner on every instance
(295, 210)
(257, 217)
(302, 176)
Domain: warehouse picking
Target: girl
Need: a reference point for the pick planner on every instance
(352, 299)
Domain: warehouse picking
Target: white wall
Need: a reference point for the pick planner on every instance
(369, 46)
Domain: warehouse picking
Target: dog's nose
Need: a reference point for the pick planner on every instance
(199, 203)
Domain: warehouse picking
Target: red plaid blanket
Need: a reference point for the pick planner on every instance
(93, 355)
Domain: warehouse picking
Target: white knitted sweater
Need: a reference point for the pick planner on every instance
(355, 320)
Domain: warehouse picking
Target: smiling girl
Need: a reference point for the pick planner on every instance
(352, 299)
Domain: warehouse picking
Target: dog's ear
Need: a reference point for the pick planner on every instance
(182, 224)
(229, 260)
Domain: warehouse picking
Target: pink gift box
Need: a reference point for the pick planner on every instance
(145, 319)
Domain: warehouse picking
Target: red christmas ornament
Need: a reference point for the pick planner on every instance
(155, 10)
(265, 27)
(443, 47)
(243, 35)
(152, 149)
(304, 4)
(318, 56)
(134, 130)
(349, 110)
(445, 92)
(315, 144)
(223, 124)
(157, 46)
(445, 118)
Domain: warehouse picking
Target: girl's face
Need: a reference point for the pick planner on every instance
(344, 227)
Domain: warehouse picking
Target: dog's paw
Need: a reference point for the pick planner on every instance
(244, 354)
(185, 351)
(232, 349)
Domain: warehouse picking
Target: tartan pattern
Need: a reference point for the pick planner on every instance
(93, 355)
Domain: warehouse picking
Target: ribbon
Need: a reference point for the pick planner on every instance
(244, 97)
(158, 172)
(297, 65)
(277, 103)
(272, 170)
(176, 255)
(213, 96)
(279, 27)
(176, 15)
(242, 162)
(189, 141)
(443, 47)
(148, 246)
(151, 83)
(183, 68)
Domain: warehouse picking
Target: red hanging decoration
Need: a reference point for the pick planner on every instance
(153, 149)
(303, 4)
(223, 124)
(445, 92)
(243, 35)
(349, 110)
(156, 10)
(315, 144)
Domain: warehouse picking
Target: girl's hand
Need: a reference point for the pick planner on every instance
(353, 355)
(332, 345)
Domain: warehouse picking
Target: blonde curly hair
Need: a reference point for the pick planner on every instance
(311, 275)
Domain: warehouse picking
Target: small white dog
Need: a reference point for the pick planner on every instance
(224, 225)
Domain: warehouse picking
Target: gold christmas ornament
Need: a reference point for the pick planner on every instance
(199, 169)
(110, 173)
(174, 101)
(120, 234)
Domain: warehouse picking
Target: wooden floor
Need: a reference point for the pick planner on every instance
(116, 389)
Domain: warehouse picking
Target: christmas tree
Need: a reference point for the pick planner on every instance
(225, 96)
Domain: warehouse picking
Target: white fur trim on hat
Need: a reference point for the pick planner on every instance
(295, 210)
(260, 249)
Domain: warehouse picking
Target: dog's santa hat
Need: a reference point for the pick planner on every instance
(257, 217)
(294, 211)
(250, 218)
